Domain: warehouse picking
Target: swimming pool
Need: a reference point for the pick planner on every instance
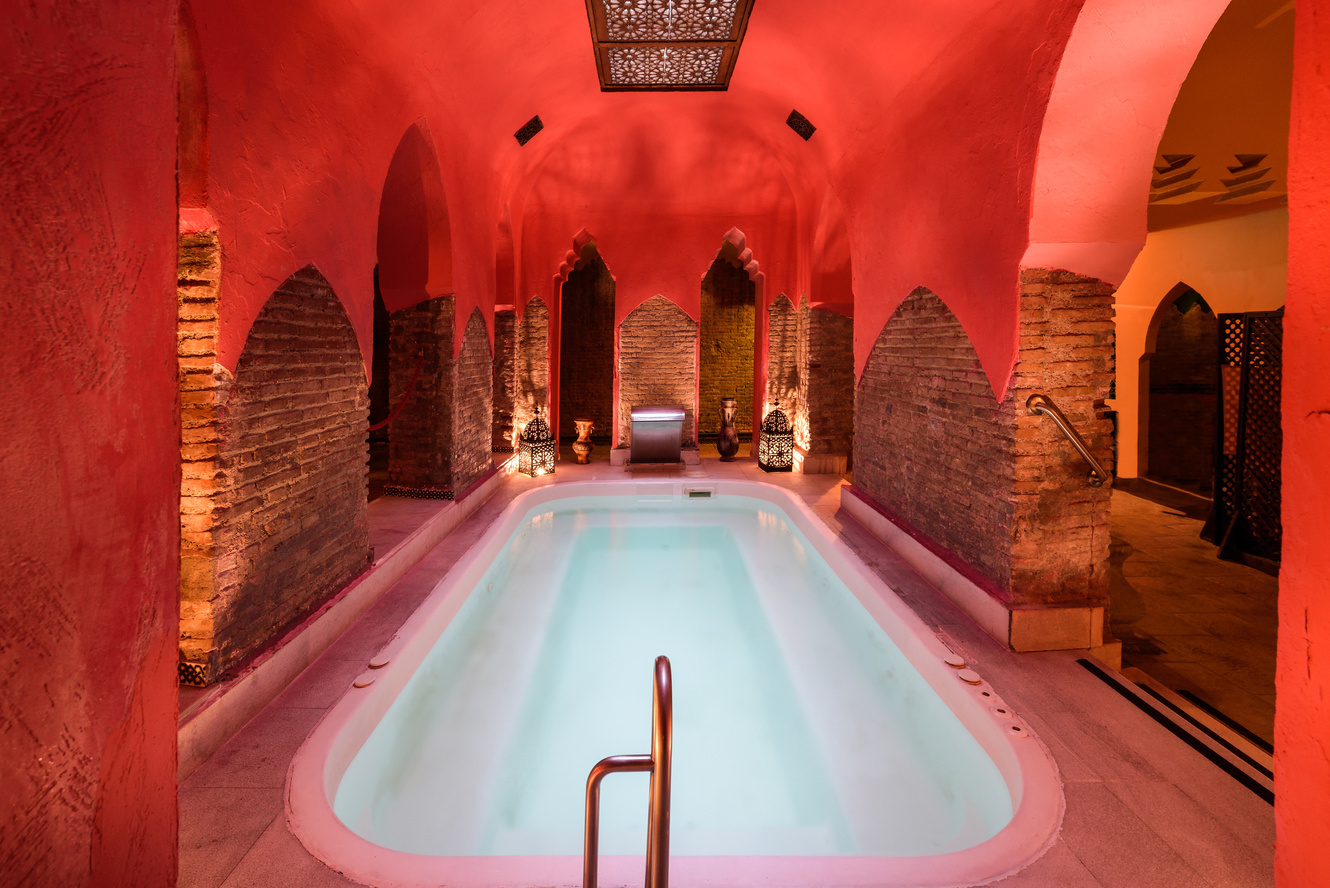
(819, 736)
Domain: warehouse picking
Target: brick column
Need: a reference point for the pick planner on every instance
(504, 380)
(828, 376)
(532, 377)
(783, 356)
(472, 406)
(1061, 532)
(420, 437)
(203, 387)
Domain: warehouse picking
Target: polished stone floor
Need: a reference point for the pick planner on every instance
(1195, 624)
(1142, 808)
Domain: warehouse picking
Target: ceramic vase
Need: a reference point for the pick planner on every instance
(582, 447)
(727, 442)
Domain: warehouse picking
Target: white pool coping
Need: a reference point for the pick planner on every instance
(1023, 761)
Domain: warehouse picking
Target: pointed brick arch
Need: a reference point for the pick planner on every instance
(995, 492)
(657, 363)
(282, 522)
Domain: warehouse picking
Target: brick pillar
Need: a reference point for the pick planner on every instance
(828, 386)
(532, 376)
(420, 437)
(657, 363)
(473, 405)
(203, 387)
(1061, 530)
(783, 356)
(287, 524)
(799, 416)
(504, 380)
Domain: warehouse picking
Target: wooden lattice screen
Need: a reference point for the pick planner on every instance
(1248, 441)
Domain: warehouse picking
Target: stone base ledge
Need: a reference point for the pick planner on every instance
(688, 455)
(821, 463)
(1050, 628)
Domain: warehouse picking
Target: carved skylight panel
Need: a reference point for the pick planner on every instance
(667, 44)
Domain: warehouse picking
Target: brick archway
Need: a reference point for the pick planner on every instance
(281, 523)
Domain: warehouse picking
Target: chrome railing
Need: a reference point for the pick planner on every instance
(658, 763)
(1043, 404)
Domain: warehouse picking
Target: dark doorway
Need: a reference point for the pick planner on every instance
(1184, 395)
(586, 349)
(728, 296)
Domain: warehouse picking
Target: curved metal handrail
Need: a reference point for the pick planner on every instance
(658, 763)
(1043, 404)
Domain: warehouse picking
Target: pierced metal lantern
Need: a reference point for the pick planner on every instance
(536, 448)
(775, 452)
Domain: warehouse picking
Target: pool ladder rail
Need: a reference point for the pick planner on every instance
(658, 763)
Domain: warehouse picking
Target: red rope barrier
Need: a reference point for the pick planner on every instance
(406, 397)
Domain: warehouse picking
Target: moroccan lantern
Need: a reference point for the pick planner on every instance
(775, 452)
(536, 448)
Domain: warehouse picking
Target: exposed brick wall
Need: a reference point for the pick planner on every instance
(829, 387)
(726, 347)
(657, 363)
(532, 383)
(293, 461)
(1000, 489)
(420, 437)
(783, 355)
(203, 387)
(586, 350)
(799, 416)
(504, 384)
(473, 406)
(1183, 397)
(1061, 533)
(931, 443)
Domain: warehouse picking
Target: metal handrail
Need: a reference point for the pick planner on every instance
(1043, 404)
(658, 763)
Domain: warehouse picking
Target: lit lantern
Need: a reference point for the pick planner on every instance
(535, 448)
(775, 452)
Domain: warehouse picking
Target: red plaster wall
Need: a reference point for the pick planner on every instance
(89, 532)
(1302, 710)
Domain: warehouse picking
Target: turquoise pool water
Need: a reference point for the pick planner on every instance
(800, 728)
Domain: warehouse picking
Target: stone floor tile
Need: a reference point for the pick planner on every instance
(218, 826)
(1117, 847)
(1232, 851)
(1058, 868)
(260, 754)
(299, 869)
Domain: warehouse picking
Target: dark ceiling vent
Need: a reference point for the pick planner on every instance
(801, 125)
(529, 130)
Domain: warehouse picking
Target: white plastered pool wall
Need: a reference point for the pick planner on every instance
(1024, 764)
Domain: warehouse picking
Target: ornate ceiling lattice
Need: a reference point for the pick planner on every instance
(667, 44)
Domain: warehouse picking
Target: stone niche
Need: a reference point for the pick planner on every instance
(657, 364)
(726, 370)
(586, 349)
